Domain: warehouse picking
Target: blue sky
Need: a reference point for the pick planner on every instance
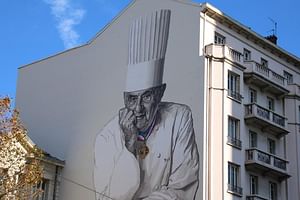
(34, 29)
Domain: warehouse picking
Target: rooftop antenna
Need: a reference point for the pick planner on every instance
(274, 30)
(273, 38)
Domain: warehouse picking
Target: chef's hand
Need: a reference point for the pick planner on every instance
(127, 124)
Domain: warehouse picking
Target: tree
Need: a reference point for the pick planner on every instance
(20, 159)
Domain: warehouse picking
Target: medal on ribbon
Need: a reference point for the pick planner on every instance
(142, 148)
(143, 151)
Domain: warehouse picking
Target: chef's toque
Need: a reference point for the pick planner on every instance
(147, 49)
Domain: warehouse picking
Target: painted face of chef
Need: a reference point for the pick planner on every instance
(143, 104)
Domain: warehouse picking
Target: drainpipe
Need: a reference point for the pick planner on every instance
(55, 182)
(209, 189)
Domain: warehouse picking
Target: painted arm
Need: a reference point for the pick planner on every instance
(112, 159)
(183, 180)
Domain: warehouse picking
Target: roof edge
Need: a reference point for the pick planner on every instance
(206, 7)
(187, 2)
(51, 56)
(48, 158)
(111, 21)
(88, 42)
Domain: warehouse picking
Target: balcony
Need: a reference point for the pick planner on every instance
(255, 197)
(265, 78)
(294, 89)
(266, 164)
(224, 52)
(267, 120)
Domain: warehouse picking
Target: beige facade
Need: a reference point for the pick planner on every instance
(244, 102)
(50, 184)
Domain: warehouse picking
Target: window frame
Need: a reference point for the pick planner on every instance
(253, 182)
(270, 103)
(271, 146)
(264, 62)
(273, 195)
(289, 77)
(43, 185)
(234, 179)
(233, 85)
(234, 132)
(252, 133)
(250, 95)
(219, 39)
(298, 115)
(247, 52)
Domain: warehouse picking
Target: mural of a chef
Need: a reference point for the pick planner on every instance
(148, 150)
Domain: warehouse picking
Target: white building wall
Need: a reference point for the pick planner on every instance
(292, 104)
(66, 100)
(237, 110)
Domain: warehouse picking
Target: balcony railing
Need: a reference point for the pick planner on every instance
(255, 197)
(255, 67)
(223, 51)
(235, 95)
(235, 189)
(279, 163)
(265, 77)
(266, 118)
(266, 159)
(233, 54)
(234, 142)
(278, 78)
(277, 119)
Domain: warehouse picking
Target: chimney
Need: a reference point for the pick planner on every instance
(272, 38)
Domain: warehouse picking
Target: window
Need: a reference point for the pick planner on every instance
(288, 76)
(273, 191)
(270, 103)
(234, 86)
(44, 186)
(234, 179)
(271, 146)
(219, 39)
(253, 96)
(247, 55)
(234, 132)
(252, 139)
(299, 114)
(264, 62)
(253, 184)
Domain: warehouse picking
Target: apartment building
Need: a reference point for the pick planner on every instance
(51, 171)
(253, 113)
(242, 88)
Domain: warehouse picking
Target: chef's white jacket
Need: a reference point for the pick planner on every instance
(169, 171)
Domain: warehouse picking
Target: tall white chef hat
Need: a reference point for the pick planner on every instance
(147, 49)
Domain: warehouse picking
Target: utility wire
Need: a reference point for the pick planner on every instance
(81, 185)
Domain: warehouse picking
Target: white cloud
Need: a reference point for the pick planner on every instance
(67, 17)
